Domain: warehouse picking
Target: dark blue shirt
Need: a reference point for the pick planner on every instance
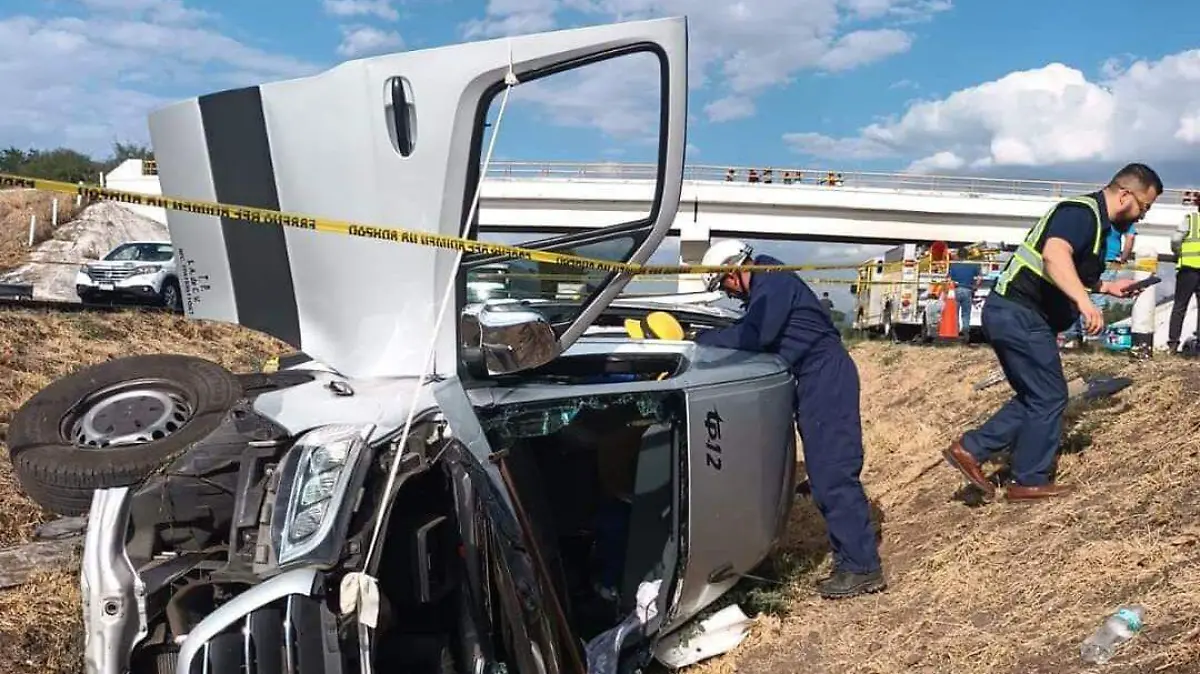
(1075, 224)
(963, 274)
(783, 316)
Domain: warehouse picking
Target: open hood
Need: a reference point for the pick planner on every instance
(392, 141)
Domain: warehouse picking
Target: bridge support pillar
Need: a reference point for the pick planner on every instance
(693, 243)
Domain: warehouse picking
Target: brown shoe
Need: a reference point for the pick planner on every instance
(961, 459)
(1017, 492)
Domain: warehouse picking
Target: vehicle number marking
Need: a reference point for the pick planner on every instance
(712, 423)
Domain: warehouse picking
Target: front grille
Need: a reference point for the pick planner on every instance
(296, 635)
(109, 275)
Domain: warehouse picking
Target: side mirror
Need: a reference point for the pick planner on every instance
(505, 338)
(854, 289)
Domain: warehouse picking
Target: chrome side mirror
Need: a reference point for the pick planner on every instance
(506, 338)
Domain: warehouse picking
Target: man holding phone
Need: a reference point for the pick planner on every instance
(1042, 290)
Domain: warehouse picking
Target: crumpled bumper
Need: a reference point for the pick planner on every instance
(114, 598)
(280, 626)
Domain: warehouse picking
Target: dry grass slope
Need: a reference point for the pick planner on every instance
(996, 589)
(1004, 588)
(39, 623)
(15, 208)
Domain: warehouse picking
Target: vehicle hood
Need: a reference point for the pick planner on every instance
(327, 146)
(121, 264)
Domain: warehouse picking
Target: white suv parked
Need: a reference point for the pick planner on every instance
(133, 271)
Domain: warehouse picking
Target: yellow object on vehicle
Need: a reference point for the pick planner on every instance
(656, 325)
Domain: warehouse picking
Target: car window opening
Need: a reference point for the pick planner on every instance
(596, 479)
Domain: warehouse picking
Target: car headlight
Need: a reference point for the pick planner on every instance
(138, 271)
(318, 481)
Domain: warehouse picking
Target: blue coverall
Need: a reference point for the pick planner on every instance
(784, 316)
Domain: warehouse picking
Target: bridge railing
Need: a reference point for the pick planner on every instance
(908, 182)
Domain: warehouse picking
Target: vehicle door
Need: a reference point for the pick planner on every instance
(390, 142)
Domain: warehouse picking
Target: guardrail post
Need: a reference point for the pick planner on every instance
(32, 227)
(54, 213)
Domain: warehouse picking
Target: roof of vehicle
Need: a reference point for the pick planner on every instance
(141, 243)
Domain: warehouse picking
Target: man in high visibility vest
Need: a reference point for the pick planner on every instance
(1039, 293)
(1186, 243)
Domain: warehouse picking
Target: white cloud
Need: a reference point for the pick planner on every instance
(729, 108)
(618, 97)
(86, 81)
(1141, 110)
(381, 9)
(166, 11)
(737, 50)
(513, 17)
(864, 46)
(360, 41)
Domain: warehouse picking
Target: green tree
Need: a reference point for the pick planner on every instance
(68, 165)
(122, 151)
(12, 159)
(60, 164)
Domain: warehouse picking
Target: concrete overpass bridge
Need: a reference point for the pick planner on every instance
(857, 207)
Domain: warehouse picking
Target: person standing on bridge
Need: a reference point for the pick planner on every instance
(1039, 293)
(784, 316)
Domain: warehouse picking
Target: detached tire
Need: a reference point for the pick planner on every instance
(113, 424)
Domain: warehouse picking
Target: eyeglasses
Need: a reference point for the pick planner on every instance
(1143, 208)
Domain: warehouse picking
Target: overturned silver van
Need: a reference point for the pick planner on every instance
(492, 490)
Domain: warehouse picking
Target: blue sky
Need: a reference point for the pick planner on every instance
(774, 81)
(1017, 88)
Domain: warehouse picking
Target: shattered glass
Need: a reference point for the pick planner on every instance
(512, 422)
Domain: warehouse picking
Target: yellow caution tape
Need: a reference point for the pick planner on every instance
(266, 216)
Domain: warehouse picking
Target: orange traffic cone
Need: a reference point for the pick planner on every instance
(948, 325)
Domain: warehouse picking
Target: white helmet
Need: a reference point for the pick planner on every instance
(721, 253)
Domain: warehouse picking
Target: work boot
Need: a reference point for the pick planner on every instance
(962, 461)
(844, 584)
(1019, 492)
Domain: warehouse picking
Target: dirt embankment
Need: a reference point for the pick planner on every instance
(40, 622)
(993, 589)
(1002, 588)
(16, 207)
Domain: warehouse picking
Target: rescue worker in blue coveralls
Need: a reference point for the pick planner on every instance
(785, 317)
(1038, 294)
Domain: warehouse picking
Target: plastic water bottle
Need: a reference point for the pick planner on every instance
(1116, 630)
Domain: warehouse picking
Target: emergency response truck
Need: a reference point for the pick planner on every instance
(899, 295)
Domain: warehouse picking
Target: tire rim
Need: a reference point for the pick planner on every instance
(170, 297)
(131, 413)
